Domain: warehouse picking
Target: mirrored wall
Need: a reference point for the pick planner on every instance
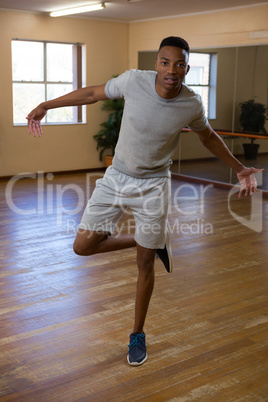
(242, 75)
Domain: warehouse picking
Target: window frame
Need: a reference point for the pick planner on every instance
(212, 83)
(77, 82)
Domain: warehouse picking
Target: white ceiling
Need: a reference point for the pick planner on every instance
(130, 10)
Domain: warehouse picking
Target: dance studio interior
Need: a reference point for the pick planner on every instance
(65, 319)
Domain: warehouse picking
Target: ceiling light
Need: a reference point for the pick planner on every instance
(78, 10)
(258, 34)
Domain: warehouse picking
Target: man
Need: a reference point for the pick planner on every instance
(157, 106)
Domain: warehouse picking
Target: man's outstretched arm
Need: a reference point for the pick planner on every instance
(82, 96)
(213, 142)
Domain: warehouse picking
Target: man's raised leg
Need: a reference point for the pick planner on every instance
(89, 242)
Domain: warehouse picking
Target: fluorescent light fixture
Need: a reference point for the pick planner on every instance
(78, 10)
(258, 34)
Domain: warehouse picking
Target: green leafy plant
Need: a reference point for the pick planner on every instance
(252, 117)
(107, 137)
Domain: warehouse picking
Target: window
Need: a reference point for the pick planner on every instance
(202, 79)
(42, 71)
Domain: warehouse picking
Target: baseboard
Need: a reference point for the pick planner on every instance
(61, 172)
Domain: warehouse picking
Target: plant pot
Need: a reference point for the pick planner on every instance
(251, 150)
(108, 160)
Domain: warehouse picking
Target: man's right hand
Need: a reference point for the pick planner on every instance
(34, 120)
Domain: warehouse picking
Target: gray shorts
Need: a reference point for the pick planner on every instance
(148, 200)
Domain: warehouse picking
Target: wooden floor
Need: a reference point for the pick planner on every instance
(65, 320)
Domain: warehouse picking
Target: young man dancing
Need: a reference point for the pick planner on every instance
(158, 105)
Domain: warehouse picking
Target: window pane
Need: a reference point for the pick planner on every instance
(199, 71)
(43, 71)
(25, 98)
(59, 62)
(195, 75)
(203, 92)
(62, 115)
(27, 61)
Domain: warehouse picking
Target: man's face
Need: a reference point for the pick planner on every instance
(171, 66)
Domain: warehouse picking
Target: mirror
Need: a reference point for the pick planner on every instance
(242, 74)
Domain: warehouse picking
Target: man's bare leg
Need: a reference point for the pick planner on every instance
(89, 243)
(137, 353)
(145, 285)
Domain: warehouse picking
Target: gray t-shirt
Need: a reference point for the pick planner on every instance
(151, 124)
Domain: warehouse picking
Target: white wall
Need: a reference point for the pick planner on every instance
(111, 48)
(62, 147)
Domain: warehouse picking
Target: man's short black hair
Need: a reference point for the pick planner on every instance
(175, 41)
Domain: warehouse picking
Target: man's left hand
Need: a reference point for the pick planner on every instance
(247, 180)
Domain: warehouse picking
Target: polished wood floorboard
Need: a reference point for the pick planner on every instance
(65, 320)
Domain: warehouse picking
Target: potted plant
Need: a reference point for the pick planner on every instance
(252, 120)
(107, 137)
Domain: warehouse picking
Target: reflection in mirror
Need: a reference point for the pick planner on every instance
(241, 75)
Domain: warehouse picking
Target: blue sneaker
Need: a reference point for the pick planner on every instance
(137, 354)
(165, 255)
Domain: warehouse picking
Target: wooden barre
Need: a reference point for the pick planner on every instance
(246, 135)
